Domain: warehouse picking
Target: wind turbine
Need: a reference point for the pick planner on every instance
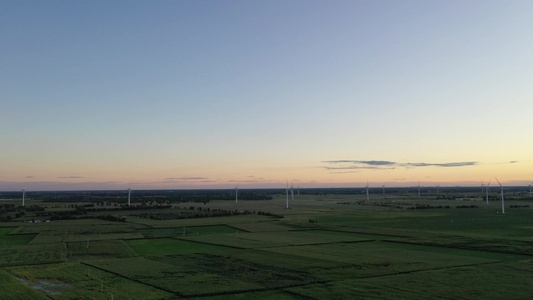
(438, 185)
(292, 192)
(367, 197)
(129, 196)
(23, 196)
(487, 191)
(287, 194)
(482, 188)
(530, 189)
(383, 186)
(298, 191)
(501, 192)
(237, 194)
(419, 189)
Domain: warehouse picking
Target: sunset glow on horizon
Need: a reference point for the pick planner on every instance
(100, 95)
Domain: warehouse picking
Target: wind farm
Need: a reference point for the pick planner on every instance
(406, 232)
(266, 150)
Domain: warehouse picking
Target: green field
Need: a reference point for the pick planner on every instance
(165, 246)
(318, 250)
(7, 239)
(78, 281)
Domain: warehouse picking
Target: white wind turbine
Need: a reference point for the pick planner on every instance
(383, 186)
(487, 191)
(129, 196)
(438, 186)
(237, 194)
(23, 196)
(367, 196)
(419, 189)
(287, 195)
(501, 192)
(292, 192)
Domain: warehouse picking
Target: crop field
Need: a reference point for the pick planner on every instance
(187, 231)
(273, 239)
(79, 281)
(166, 246)
(7, 239)
(323, 247)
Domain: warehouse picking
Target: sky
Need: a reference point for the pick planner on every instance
(214, 94)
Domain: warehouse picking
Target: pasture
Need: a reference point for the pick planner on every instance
(324, 247)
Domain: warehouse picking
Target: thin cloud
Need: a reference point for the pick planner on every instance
(259, 180)
(186, 178)
(364, 162)
(445, 165)
(354, 168)
(387, 165)
(70, 177)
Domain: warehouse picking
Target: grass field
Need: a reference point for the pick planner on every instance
(165, 246)
(32, 254)
(325, 247)
(7, 239)
(187, 231)
(174, 278)
(491, 281)
(78, 281)
(274, 239)
(14, 289)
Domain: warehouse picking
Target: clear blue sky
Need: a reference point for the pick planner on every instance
(187, 94)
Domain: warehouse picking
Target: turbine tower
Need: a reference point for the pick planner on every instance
(438, 186)
(487, 191)
(287, 194)
(419, 189)
(129, 196)
(237, 194)
(383, 186)
(298, 191)
(292, 192)
(23, 196)
(367, 196)
(503, 200)
(530, 189)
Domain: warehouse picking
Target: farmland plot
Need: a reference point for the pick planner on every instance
(32, 254)
(489, 281)
(78, 281)
(7, 239)
(229, 220)
(177, 279)
(270, 239)
(269, 277)
(374, 259)
(187, 231)
(99, 250)
(262, 227)
(156, 247)
(15, 289)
